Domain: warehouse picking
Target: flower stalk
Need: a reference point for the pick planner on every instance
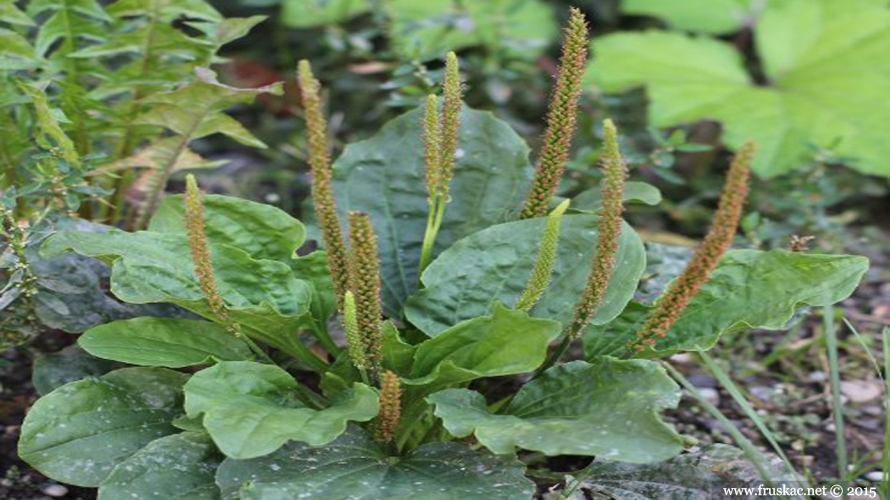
(203, 264)
(707, 256)
(561, 118)
(322, 193)
(543, 270)
(390, 408)
(440, 138)
(364, 283)
(609, 227)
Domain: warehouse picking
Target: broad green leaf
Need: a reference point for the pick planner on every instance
(55, 369)
(824, 82)
(702, 474)
(263, 231)
(429, 29)
(749, 289)
(494, 265)
(506, 342)
(314, 269)
(177, 467)
(707, 16)
(608, 408)
(356, 468)
(79, 432)
(250, 409)
(386, 177)
(148, 267)
(312, 13)
(634, 192)
(169, 342)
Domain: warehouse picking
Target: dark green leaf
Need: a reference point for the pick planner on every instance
(79, 432)
(354, 468)
(609, 408)
(72, 363)
(495, 264)
(642, 192)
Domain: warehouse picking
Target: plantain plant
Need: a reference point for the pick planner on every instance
(426, 345)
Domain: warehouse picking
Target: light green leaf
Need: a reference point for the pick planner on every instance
(17, 54)
(506, 342)
(608, 408)
(55, 369)
(169, 342)
(314, 269)
(250, 409)
(69, 21)
(177, 467)
(749, 289)
(157, 155)
(386, 177)
(263, 231)
(356, 468)
(79, 432)
(634, 192)
(47, 132)
(149, 267)
(494, 265)
(716, 17)
(312, 13)
(11, 14)
(825, 82)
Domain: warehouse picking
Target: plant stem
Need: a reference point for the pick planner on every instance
(837, 410)
(885, 482)
(433, 224)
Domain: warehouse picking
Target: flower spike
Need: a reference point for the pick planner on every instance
(561, 117)
(451, 91)
(364, 282)
(322, 194)
(706, 257)
(432, 152)
(390, 408)
(541, 274)
(197, 237)
(612, 188)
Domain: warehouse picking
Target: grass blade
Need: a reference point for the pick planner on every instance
(837, 409)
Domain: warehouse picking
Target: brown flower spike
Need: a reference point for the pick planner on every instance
(197, 236)
(561, 117)
(432, 152)
(450, 125)
(390, 408)
(322, 194)
(612, 186)
(707, 256)
(364, 282)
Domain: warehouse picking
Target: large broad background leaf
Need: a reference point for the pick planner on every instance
(55, 369)
(749, 289)
(355, 468)
(177, 467)
(825, 82)
(386, 177)
(707, 16)
(157, 267)
(495, 264)
(80, 431)
(608, 408)
(169, 342)
(250, 409)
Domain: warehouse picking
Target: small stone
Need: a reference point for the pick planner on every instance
(684, 358)
(55, 490)
(875, 476)
(862, 391)
(710, 394)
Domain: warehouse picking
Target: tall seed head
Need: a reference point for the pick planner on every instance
(541, 274)
(197, 237)
(364, 282)
(390, 407)
(706, 257)
(354, 343)
(322, 194)
(561, 117)
(603, 267)
(432, 152)
(451, 90)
